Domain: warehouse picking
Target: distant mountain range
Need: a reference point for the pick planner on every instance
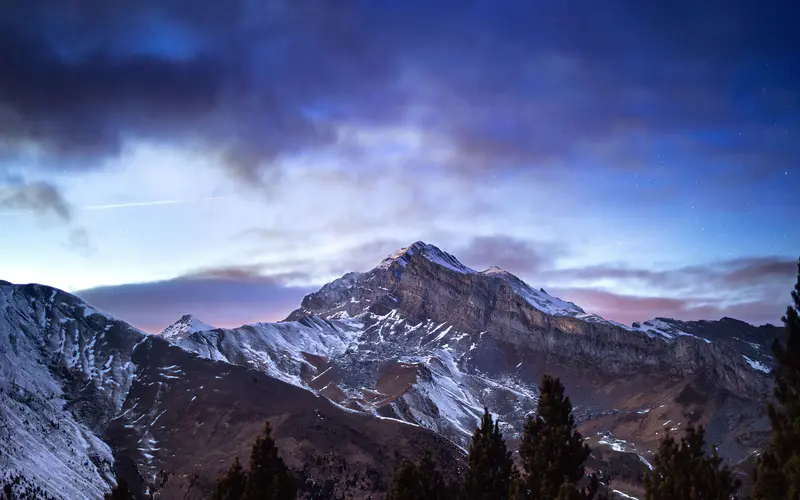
(373, 367)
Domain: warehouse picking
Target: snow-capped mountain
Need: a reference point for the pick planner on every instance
(187, 324)
(371, 361)
(425, 339)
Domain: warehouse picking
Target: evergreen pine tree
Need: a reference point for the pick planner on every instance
(683, 470)
(232, 484)
(516, 485)
(552, 450)
(568, 491)
(488, 464)
(431, 482)
(404, 482)
(119, 492)
(421, 481)
(269, 478)
(777, 475)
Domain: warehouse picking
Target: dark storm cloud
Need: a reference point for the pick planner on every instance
(509, 85)
(82, 110)
(75, 85)
(222, 302)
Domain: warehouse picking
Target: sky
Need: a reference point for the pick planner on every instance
(227, 158)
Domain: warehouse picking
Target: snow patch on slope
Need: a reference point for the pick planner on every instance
(278, 349)
(664, 329)
(756, 365)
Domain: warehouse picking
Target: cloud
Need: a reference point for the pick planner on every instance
(41, 198)
(254, 273)
(297, 267)
(231, 295)
(751, 289)
(80, 79)
(79, 241)
(515, 255)
(740, 272)
(406, 109)
(629, 308)
(518, 87)
(223, 302)
(758, 270)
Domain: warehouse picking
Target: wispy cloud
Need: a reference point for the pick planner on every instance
(41, 198)
(751, 289)
(629, 308)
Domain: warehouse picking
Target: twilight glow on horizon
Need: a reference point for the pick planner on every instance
(226, 158)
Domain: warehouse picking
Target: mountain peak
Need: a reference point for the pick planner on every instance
(186, 325)
(430, 252)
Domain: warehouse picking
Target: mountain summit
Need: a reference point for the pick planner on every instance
(402, 257)
(436, 263)
(185, 325)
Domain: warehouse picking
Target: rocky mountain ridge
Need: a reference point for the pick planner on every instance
(86, 398)
(420, 343)
(425, 339)
(423, 283)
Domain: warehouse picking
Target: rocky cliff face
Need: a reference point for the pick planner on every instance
(423, 283)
